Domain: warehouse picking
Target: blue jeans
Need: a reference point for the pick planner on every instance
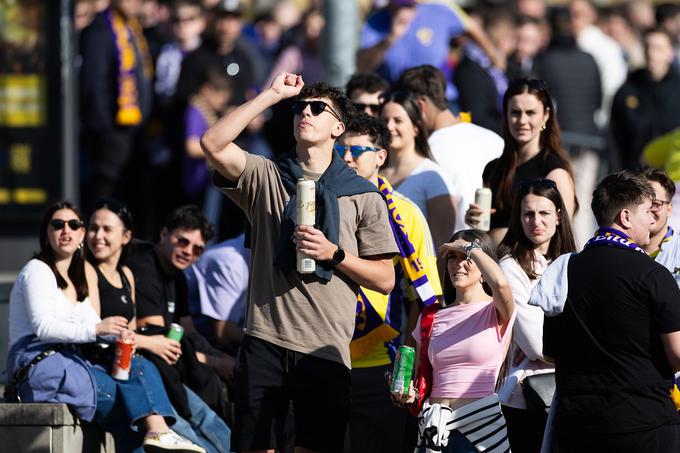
(204, 428)
(129, 402)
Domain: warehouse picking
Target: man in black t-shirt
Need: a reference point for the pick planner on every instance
(614, 331)
(161, 288)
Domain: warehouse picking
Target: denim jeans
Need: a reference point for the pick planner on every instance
(129, 402)
(204, 428)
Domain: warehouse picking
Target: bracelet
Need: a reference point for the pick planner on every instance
(470, 247)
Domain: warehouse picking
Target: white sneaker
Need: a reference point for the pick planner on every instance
(169, 442)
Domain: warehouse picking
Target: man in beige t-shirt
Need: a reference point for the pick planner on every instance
(298, 327)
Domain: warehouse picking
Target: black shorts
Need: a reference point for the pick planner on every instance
(268, 378)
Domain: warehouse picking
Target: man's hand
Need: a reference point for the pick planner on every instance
(287, 85)
(167, 349)
(313, 243)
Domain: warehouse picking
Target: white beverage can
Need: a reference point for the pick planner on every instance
(306, 215)
(483, 200)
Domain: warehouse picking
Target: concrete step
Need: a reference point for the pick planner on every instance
(49, 428)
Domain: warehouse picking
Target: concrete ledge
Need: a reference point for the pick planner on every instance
(49, 428)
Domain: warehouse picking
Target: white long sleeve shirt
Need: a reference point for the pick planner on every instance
(527, 333)
(37, 306)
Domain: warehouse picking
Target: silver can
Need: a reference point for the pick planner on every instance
(305, 215)
(483, 200)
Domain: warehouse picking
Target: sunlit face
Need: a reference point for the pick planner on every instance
(462, 272)
(311, 129)
(642, 222)
(661, 208)
(526, 115)
(402, 129)
(106, 236)
(181, 247)
(63, 239)
(369, 162)
(539, 219)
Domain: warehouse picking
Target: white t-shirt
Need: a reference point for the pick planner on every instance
(669, 256)
(462, 151)
(38, 307)
(426, 181)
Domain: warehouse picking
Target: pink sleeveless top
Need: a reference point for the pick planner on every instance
(466, 350)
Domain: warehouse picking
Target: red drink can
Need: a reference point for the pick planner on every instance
(122, 363)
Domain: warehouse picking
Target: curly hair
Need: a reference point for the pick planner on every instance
(190, 217)
(339, 101)
(376, 128)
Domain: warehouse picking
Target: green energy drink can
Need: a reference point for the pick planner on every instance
(175, 332)
(403, 369)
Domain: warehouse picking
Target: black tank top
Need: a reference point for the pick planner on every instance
(115, 301)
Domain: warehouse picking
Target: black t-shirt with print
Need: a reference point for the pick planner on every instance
(615, 376)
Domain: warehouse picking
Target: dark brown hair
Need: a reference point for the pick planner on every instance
(660, 176)
(408, 101)
(339, 101)
(488, 247)
(616, 192)
(76, 271)
(504, 172)
(425, 80)
(517, 245)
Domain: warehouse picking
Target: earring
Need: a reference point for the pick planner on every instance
(81, 245)
(543, 127)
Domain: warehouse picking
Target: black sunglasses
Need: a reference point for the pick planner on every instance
(196, 249)
(73, 224)
(316, 107)
(538, 182)
(374, 108)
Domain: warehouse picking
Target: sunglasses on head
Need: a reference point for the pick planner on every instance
(73, 224)
(316, 107)
(538, 182)
(196, 249)
(374, 108)
(355, 150)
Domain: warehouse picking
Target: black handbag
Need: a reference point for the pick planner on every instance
(538, 390)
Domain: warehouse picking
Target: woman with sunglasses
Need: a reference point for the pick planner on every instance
(410, 166)
(461, 347)
(539, 232)
(532, 150)
(108, 239)
(54, 308)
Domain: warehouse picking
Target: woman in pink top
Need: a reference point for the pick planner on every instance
(466, 342)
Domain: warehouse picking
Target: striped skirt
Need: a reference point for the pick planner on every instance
(482, 423)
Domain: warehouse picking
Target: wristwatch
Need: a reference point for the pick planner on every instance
(338, 256)
(470, 247)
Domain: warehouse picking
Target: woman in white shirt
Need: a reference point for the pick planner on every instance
(54, 307)
(410, 167)
(539, 232)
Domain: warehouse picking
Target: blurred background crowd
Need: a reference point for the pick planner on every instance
(613, 72)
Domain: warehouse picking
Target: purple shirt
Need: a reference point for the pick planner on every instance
(195, 176)
(425, 42)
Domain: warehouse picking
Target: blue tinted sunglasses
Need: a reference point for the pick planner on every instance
(356, 151)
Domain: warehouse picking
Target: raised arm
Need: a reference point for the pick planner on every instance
(370, 57)
(492, 275)
(218, 141)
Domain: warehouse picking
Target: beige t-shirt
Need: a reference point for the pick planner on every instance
(297, 311)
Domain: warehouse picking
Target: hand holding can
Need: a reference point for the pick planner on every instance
(122, 362)
(483, 200)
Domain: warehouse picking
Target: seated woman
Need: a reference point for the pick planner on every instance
(462, 346)
(54, 307)
(108, 239)
(539, 232)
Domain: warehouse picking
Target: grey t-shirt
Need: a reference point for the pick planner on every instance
(296, 311)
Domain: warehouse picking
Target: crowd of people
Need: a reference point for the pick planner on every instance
(558, 329)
